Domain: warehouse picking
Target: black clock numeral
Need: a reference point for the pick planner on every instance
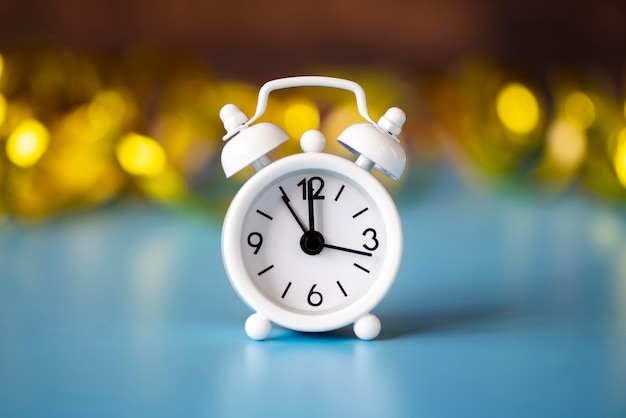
(367, 232)
(255, 240)
(310, 183)
(341, 288)
(314, 298)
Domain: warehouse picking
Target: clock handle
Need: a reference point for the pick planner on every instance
(310, 81)
(376, 145)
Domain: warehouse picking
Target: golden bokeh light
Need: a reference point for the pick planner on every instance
(300, 116)
(166, 185)
(567, 145)
(517, 108)
(619, 157)
(27, 143)
(183, 140)
(75, 120)
(141, 155)
(579, 110)
(337, 120)
(243, 94)
(106, 109)
(3, 109)
(84, 170)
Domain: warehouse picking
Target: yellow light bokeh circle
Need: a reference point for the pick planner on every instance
(517, 108)
(107, 109)
(579, 110)
(166, 186)
(27, 143)
(300, 116)
(619, 157)
(3, 109)
(567, 145)
(141, 155)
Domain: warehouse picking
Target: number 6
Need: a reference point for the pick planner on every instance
(314, 293)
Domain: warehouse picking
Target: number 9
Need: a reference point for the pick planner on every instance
(255, 243)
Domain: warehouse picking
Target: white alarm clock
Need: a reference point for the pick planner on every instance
(313, 241)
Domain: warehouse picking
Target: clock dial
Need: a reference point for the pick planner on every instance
(313, 241)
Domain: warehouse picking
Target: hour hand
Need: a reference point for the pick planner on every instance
(311, 207)
(293, 213)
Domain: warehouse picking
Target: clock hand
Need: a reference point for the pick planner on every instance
(349, 250)
(311, 197)
(293, 213)
(311, 208)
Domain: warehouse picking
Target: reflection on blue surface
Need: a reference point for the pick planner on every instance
(507, 304)
(304, 377)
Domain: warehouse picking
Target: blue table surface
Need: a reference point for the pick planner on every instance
(507, 304)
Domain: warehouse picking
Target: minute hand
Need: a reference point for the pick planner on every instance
(286, 200)
(312, 197)
(348, 250)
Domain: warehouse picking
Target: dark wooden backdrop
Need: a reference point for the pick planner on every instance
(253, 39)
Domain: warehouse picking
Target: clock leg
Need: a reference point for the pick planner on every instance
(367, 327)
(258, 327)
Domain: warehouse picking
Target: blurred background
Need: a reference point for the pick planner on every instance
(108, 98)
(511, 297)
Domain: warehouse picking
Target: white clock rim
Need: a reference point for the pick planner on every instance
(243, 283)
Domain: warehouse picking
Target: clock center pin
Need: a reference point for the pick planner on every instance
(312, 242)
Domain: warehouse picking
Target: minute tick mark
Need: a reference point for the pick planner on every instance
(265, 270)
(359, 213)
(285, 292)
(361, 267)
(264, 214)
(340, 191)
(341, 288)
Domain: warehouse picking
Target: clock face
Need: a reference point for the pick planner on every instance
(313, 241)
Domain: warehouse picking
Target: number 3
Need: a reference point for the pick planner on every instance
(373, 238)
